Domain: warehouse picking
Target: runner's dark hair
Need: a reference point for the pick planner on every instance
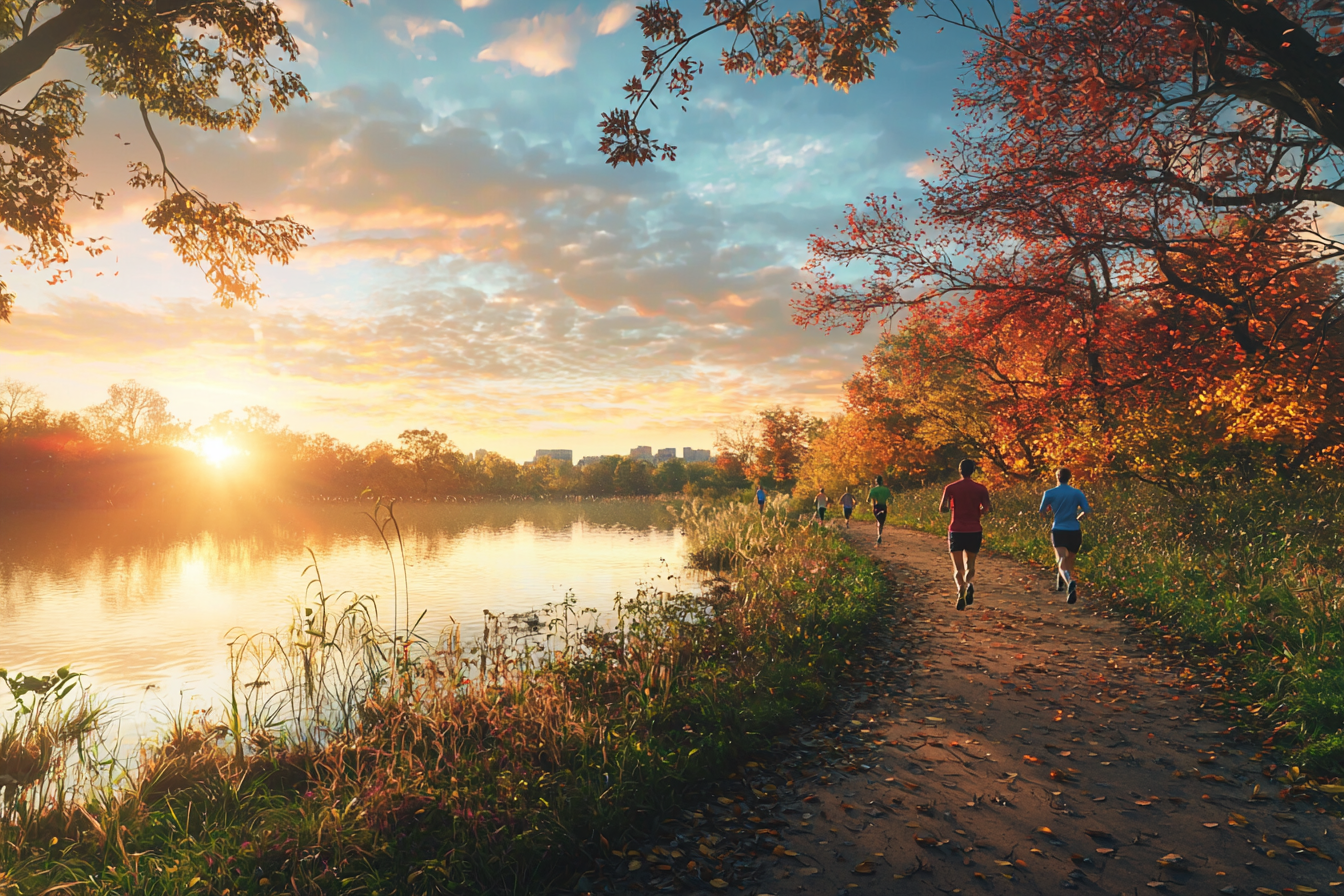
(966, 467)
(1063, 474)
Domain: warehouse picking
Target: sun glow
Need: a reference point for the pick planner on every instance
(215, 450)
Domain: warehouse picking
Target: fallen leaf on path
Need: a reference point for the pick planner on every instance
(1157, 884)
(1238, 821)
(810, 869)
(863, 868)
(718, 883)
(1266, 891)
(1104, 850)
(1210, 824)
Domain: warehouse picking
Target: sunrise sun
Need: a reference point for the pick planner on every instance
(215, 450)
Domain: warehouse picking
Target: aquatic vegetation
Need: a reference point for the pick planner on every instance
(358, 754)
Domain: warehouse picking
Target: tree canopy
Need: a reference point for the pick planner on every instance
(1284, 57)
(174, 58)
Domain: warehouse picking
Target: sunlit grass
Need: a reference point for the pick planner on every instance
(1248, 581)
(356, 755)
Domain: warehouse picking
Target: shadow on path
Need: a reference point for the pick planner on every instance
(1022, 746)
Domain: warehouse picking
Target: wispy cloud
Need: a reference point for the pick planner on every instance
(615, 17)
(921, 170)
(404, 32)
(542, 45)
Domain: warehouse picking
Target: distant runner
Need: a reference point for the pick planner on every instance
(822, 501)
(878, 496)
(967, 500)
(760, 499)
(847, 505)
(1068, 505)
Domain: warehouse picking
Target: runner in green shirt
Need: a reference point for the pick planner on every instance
(878, 496)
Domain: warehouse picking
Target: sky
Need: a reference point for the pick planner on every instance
(477, 268)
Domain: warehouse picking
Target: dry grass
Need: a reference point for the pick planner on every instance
(358, 758)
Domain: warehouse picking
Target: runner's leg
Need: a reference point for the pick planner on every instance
(959, 574)
(970, 576)
(1064, 560)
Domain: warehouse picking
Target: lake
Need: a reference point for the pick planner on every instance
(144, 604)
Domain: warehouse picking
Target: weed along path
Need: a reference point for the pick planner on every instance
(1021, 746)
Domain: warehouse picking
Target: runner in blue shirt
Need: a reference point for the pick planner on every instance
(1068, 505)
(760, 499)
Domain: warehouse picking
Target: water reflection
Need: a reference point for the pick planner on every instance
(143, 603)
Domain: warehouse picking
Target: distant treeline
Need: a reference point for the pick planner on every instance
(129, 450)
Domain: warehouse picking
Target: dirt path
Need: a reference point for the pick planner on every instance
(1034, 747)
(1023, 746)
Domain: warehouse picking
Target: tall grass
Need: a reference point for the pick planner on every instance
(1252, 578)
(353, 757)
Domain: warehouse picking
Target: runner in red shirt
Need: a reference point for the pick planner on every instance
(967, 500)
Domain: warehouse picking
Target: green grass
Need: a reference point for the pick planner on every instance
(376, 762)
(1247, 581)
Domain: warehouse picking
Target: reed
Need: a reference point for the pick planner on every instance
(355, 756)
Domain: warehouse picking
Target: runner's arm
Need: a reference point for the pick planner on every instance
(988, 506)
(946, 505)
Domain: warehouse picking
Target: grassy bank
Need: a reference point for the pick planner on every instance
(1249, 580)
(358, 758)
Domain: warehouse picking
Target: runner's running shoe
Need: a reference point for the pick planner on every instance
(970, 593)
(1059, 582)
(1073, 592)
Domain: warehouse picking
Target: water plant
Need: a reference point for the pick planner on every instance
(361, 757)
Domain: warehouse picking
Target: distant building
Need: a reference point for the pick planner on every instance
(665, 454)
(694, 454)
(561, 454)
(642, 452)
(590, 459)
(481, 453)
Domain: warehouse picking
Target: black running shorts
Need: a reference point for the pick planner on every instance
(821, 513)
(964, 541)
(1069, 539)
(880, 513)
(848, 512)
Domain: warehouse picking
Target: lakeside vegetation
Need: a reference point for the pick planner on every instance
(1248, 582)
(354, 758)
(131, 451)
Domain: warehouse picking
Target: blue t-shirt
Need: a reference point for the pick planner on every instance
(1065, 501)
(760, 496)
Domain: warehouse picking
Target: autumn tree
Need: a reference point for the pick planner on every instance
(432, 456)
(785, 436)
(1282, 57)
(175, 60)
(133, 415)
(18, 400)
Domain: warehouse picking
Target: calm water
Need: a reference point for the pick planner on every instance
(144, 604)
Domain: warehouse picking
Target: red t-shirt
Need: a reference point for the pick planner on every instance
(968, 498)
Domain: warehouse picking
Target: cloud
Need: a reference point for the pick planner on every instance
(921, 170)
(542, 45)
(415, 28)
(472, 4)
(615, 17)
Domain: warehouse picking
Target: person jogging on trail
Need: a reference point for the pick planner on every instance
(1068, 505)
(822, 501)
(760, 499)
(847, 505)
(878, 496)
(967, 500)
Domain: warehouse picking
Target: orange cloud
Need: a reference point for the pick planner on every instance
(542, 45)
(615, 17)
